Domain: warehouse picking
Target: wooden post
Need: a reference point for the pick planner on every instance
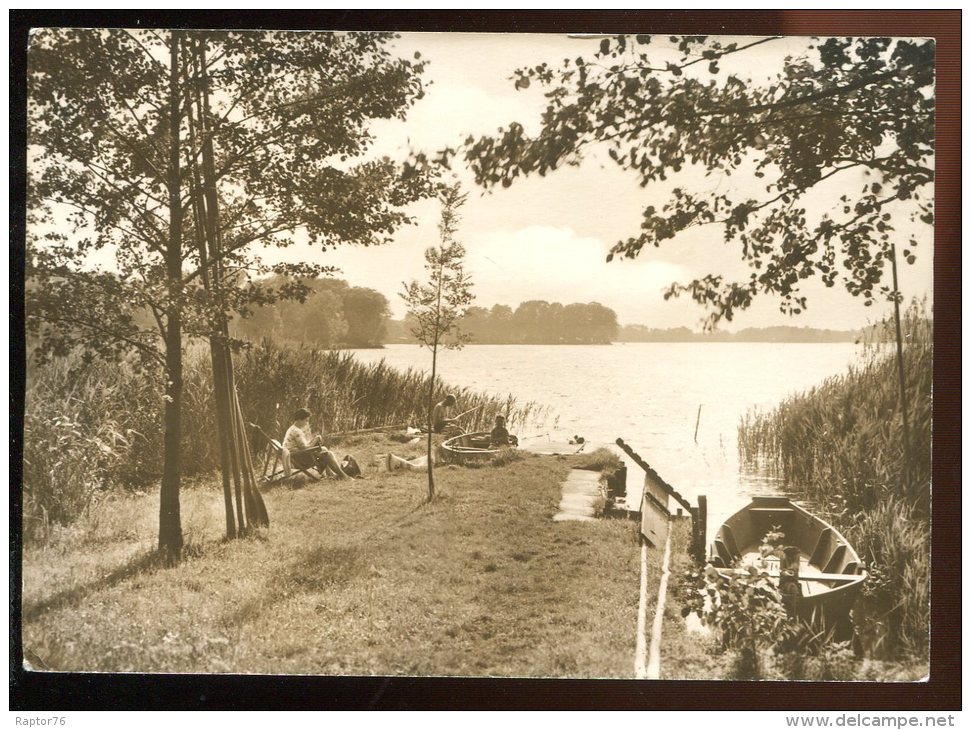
(702, 527)
(695, 539)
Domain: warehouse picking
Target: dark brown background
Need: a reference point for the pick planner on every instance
(30, 690)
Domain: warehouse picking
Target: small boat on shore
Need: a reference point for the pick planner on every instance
(818, 571)
(476, 446)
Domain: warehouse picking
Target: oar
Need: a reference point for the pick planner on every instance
(835, 577)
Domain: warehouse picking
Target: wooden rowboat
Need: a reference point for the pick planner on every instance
(474, 446)
(819, 572)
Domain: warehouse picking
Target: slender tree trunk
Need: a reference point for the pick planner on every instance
(215, 351)
(170, 521)
(900, 369)
(431, 426)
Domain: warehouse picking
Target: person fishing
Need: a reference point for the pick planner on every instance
(442, 420)
(306, 451)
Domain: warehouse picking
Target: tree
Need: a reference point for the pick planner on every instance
(437, 305)
(852, 112)
(366, 312)
(176, 154)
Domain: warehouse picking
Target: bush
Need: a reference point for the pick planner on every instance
(76, 438)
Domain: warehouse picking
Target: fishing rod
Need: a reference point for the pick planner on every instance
(389, 427)
(463, 413)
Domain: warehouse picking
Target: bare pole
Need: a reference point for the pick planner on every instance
(900, 367)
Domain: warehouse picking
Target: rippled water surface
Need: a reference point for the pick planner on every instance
(648, 394)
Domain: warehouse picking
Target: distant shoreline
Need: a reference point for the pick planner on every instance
(699, 340)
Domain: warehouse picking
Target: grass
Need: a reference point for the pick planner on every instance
(89, 428)
(351, 578)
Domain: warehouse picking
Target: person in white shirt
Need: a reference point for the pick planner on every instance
(306, 451)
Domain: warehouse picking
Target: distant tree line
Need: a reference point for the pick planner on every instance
(333, 314)
(532, 322)
(641, 333)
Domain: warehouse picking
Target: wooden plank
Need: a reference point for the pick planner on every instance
(653, 487)
(653, 474)
(654, 523)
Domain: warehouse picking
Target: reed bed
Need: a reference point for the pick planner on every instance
(89, 427)
(840, 447)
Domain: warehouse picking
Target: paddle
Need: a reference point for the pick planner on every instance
(835, 577)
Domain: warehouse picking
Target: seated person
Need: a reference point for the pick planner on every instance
(442, 421)
(308, 452)
(499, 436)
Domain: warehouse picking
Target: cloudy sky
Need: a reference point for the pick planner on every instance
(547, 238)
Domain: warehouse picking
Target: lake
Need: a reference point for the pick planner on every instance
(648, 394)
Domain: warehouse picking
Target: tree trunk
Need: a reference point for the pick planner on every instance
(170, 520)
(431, 426)
(215, 352)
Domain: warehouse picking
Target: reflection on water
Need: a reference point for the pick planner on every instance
(648, 394)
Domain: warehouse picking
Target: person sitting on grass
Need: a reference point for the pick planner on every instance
(306, 452)
(442, 421)
(499, 436)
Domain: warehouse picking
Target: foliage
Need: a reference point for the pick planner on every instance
(840, 441)
(746, 608)
(437, 307)
(541, 322)
(68, 456)
(289, 154)
(838, 445)
(601, 459)
(334, 314)
(124, 125)
(857, 112)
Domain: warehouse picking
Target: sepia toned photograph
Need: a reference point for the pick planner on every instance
(567, 355)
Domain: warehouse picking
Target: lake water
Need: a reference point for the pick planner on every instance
(648, 394)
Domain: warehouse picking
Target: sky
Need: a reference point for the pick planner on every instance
(547, 238)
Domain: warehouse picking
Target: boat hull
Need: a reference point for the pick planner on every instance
(470, 447)
(829, 573)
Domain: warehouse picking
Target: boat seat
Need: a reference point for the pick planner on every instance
(822, 548)
(723, 552)
(729, 538)
(852, 568)
(836, 560)
(771, 509)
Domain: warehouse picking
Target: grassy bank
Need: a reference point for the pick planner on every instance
(352, 578)
(90, 428)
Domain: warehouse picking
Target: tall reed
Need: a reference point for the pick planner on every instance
(92, 426)
(840, 446)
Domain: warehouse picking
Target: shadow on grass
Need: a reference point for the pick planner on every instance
(317, 569)
(140, 563)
